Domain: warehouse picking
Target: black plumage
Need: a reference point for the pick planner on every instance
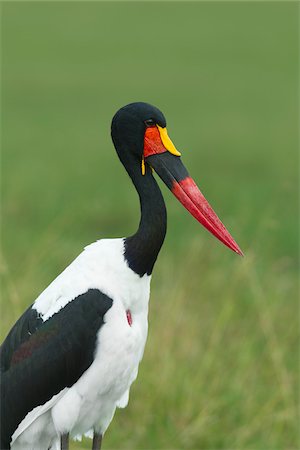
(39, 359)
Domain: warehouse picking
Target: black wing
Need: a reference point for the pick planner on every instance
(39, 359)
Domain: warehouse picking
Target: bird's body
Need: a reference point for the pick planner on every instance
(101, 272)
(71, 358)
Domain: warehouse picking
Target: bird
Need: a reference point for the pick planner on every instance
(70, 359)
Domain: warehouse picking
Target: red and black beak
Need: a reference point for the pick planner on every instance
(162, 156)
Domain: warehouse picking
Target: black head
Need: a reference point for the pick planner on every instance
(129, 125)
(140, 136)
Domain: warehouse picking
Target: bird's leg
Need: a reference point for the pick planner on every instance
(97, 440)
(64, 441)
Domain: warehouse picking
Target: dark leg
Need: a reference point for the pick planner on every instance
(64, 441)
(97, 440)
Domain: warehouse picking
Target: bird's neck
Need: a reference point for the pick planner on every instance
(141, 249)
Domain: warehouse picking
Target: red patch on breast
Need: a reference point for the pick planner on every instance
(129, 317)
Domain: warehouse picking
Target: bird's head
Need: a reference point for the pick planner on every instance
(129, 125)
(140, 136)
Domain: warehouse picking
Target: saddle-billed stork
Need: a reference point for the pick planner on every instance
(70, 359)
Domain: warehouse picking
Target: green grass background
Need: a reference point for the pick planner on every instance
(220, 369)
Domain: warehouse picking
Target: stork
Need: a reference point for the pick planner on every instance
(70, 359)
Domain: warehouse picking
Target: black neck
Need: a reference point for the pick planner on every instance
(141, 249)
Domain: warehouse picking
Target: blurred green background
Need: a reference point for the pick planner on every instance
(221, 366)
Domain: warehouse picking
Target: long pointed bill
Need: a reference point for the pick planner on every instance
(173, 173)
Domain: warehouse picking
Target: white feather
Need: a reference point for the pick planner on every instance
(91, 402)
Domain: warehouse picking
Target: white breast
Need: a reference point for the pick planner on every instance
(105, 385)
(100, 266)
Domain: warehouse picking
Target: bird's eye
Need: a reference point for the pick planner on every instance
(149, 123)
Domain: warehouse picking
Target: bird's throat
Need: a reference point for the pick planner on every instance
(141, 249)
